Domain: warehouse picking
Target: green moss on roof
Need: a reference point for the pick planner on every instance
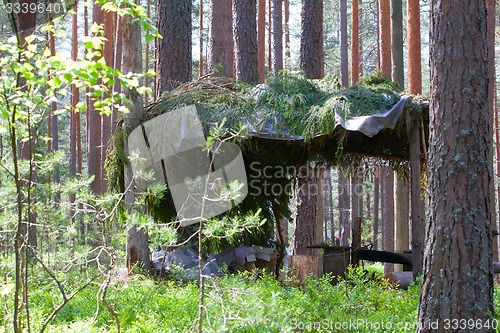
(306, 107)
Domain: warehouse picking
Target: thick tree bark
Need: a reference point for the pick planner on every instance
(414, 52)
(344, 61)
(387, 175)
(277, 36)
(492, 102)
(137, 239)
(458, 273)
(174, 50)
(261, 39)
(245, 40)
(355, 42)
(385, 37)
(311, 39)
(221, 38)
(306, 231)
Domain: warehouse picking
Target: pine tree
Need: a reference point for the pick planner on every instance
(460, 211)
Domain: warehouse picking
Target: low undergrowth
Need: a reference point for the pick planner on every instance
(239, 303)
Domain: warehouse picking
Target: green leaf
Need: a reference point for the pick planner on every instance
(57, 81)
(149, 38)
(68, 77)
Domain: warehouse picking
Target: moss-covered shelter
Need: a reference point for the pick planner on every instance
(291, 120)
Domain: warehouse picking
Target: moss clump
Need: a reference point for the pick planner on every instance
(300, 106)
(371, 95)
(116, 160)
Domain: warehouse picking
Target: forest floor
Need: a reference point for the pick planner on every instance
(235, 303)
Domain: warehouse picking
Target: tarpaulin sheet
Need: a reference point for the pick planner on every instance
(275, 128)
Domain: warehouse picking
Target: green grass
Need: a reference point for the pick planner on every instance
(238, 303)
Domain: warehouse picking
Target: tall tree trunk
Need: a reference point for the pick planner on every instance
(458, 272)
(137, 239)
(491, 8)
(354, 198)
(414, 52)
(387, 176)
(54, 128)
(311, 39)
(360, 39)
(320, 204)
(359, 187)
(25, 233)
(329, 203)
(376, 200)
(221, 38)
(108, 53)
(417, 204)
(261, 39)
(385, 37)
(397, 59)
(402, 227)
(401, 185)
(118, 65)
(368, 206)
(415, 87)
(344, 198)
(269, 37)
(377, 14)
(200, 65)
(94, 127)
(277, 36)
(344, 61)
(355, 42)
(245, 40)
(287, 33)
(175, 63)
(147, 51)
(75, 98)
